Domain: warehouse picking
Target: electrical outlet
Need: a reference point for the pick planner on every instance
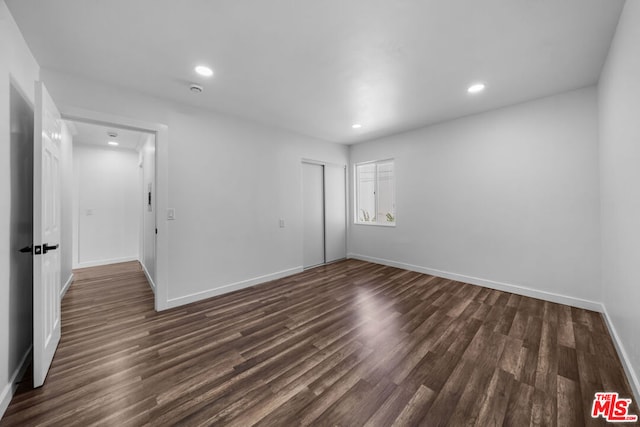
(281, 222)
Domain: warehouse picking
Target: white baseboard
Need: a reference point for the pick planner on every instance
(10, 388)
(175, 302)
(506, 287)
(65, 288)
(104, 262)
(624, 358)
(149, 279)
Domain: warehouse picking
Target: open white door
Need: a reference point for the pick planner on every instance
(46, 233)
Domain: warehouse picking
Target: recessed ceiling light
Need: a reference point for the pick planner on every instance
(356, 125)
(115, 144)
(475, 88)
(204, 71)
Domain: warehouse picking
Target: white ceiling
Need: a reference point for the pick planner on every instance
(318, 66)
(92, 134)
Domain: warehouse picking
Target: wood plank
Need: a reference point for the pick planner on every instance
(570, 411)
(415, 408)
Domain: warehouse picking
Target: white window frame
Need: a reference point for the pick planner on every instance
(375, 186)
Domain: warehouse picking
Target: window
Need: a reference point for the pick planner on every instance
(375, 193)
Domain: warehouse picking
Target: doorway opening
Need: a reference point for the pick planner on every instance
(20, 340)
(114, 213)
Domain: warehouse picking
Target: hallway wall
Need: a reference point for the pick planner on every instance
(66, 211)
(107, 195)
(147, 156)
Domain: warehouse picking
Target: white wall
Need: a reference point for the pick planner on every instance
(17, 65)
(619, 102)
(230, 180)
(108, 199)
(508, 197)
(148, 159)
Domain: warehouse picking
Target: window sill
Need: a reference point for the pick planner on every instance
(374, 224)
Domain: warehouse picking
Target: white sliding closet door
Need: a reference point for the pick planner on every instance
(335, 213)
(313, 214)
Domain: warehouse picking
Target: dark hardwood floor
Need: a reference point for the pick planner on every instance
(347, 344)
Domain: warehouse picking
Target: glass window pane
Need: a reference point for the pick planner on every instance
(375, 200)
(366, 202)
(386, 213)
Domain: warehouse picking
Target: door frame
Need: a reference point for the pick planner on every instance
(161, 191)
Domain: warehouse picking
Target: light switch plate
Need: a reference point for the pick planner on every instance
(171, 214)
(281, 222)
